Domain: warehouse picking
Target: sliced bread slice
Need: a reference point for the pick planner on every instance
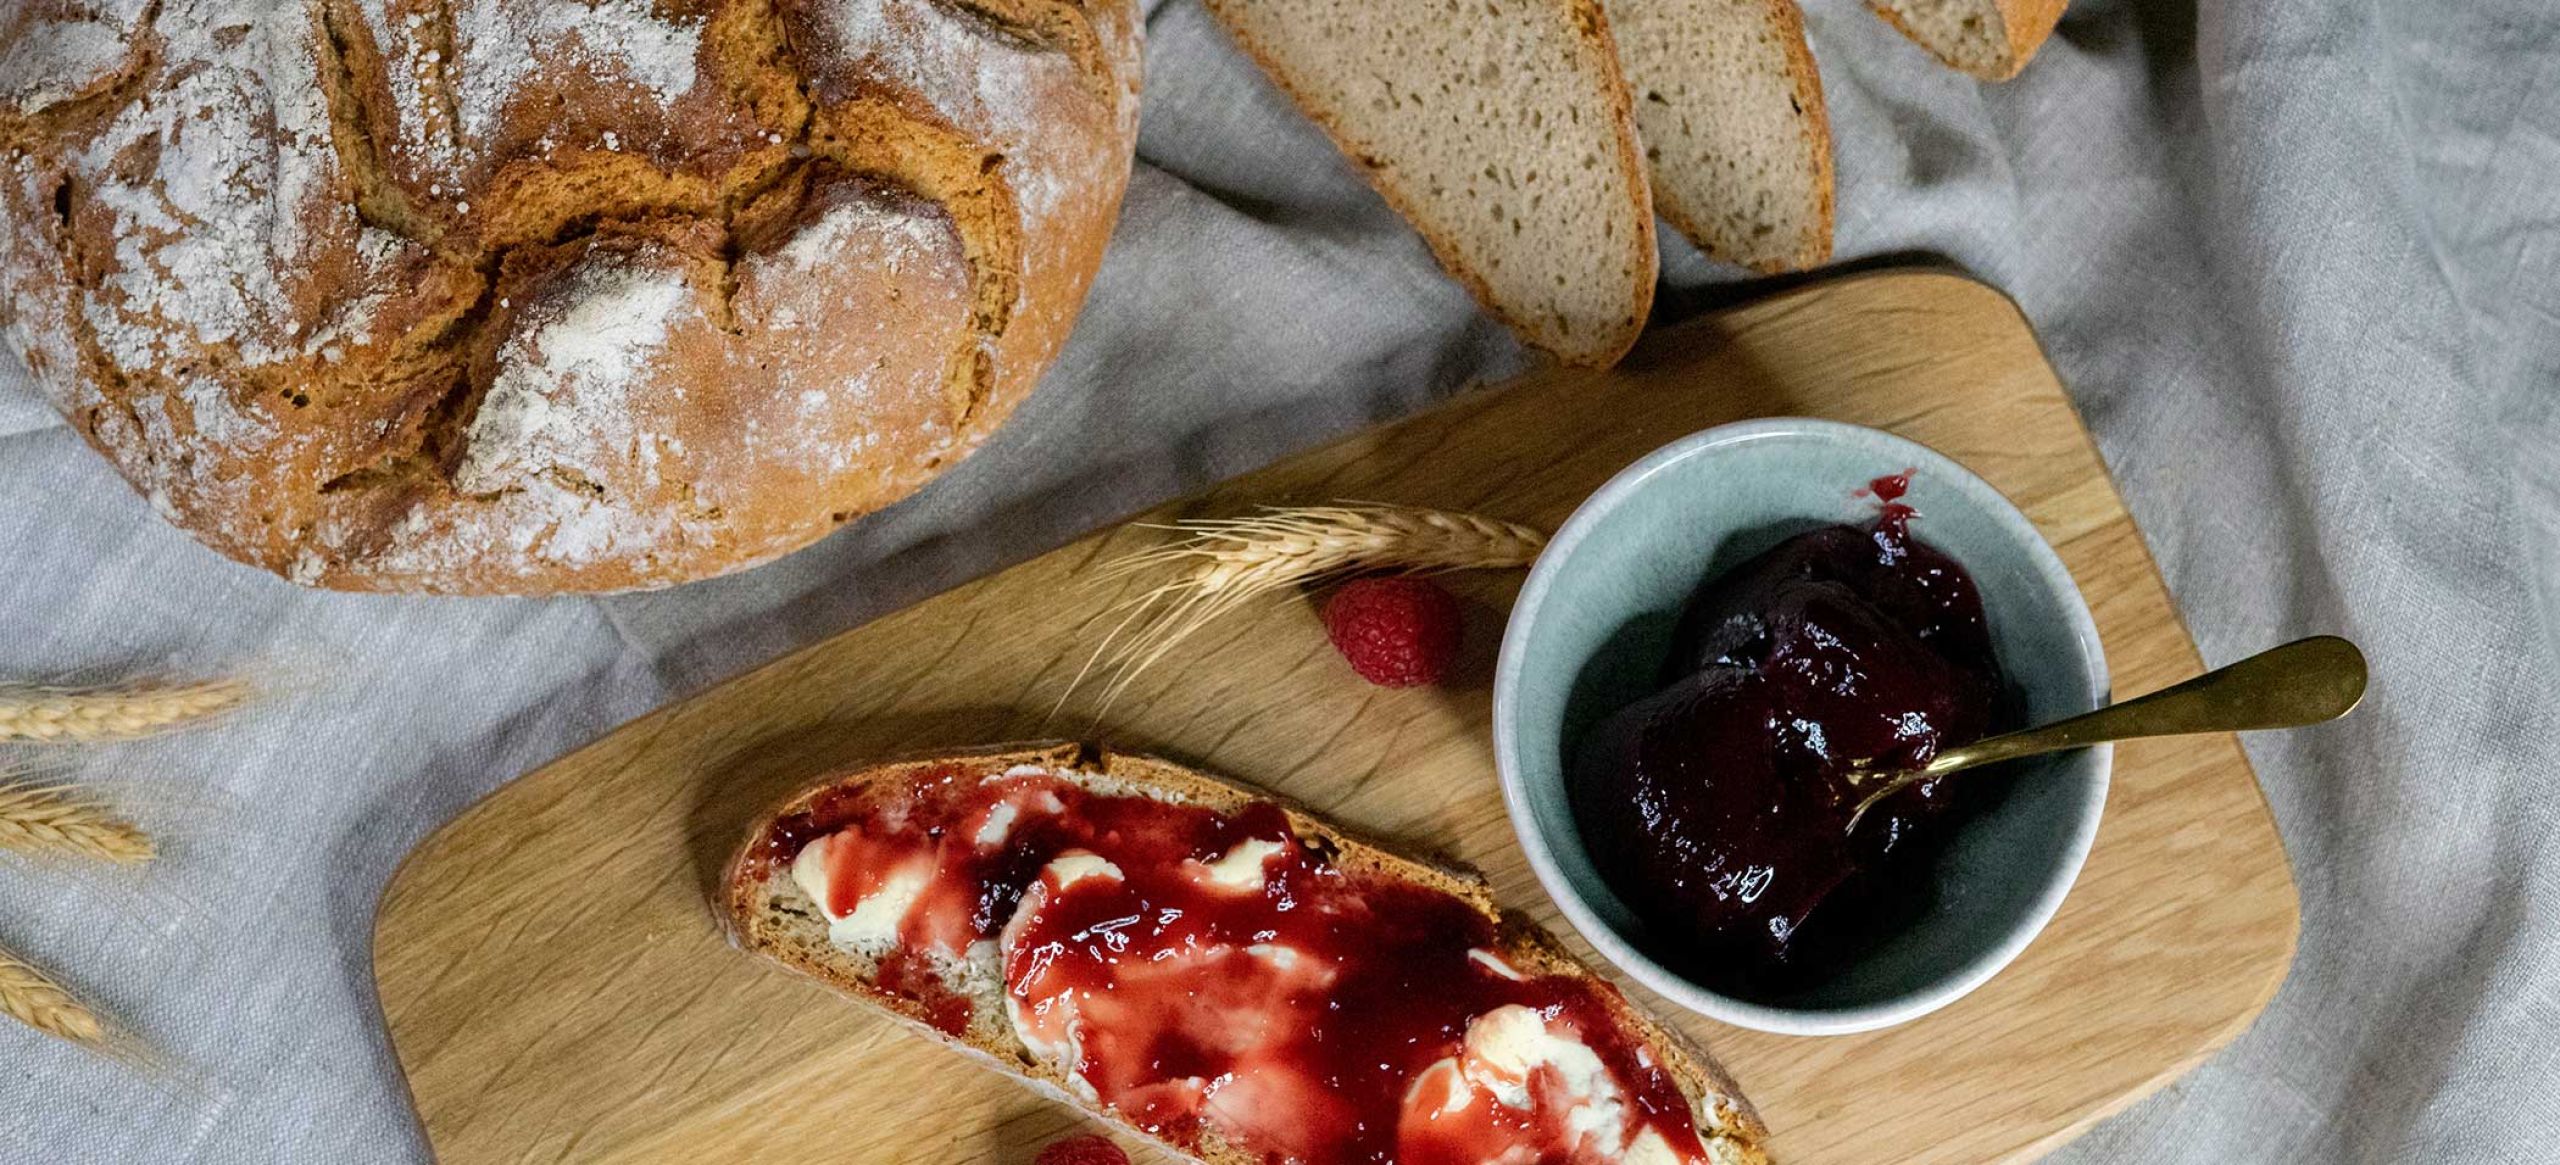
(1730, 108)
(1991, 39)
(767, 911)
(1501, 131)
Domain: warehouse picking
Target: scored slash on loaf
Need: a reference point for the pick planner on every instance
(532, 296)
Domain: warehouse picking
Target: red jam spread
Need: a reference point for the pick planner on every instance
(1717, 807)
(1201, 970)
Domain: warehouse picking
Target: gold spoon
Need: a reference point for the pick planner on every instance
(2303, 682)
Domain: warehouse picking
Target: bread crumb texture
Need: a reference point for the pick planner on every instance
(1501, 129)
(1730, 108)
(1991, 39)
(531, 296)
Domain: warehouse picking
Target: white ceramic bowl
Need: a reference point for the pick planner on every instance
(1592, 627)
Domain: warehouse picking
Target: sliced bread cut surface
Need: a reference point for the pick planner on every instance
(1730, 108)
(769, 910)
(1501, 130)
(1991, 39)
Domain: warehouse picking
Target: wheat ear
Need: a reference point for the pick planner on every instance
(51, 716)
(56, 819)
(40, 1003)
(1225, 563)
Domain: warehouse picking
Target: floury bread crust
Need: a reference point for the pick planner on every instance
(766, 912)
(534, 296)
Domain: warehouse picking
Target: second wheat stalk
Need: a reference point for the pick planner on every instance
(49, 716)
(1224, 563)
(56, 819)
(27, 996)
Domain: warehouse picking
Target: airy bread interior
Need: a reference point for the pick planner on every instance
(1730, 108)
(1502, 131)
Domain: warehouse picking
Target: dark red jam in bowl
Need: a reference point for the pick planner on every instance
(1717, 808)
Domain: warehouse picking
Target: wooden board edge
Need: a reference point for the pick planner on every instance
(2278, 970)
(2222, 1037)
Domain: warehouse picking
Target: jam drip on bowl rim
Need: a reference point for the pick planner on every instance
(1718, 807)
(1205, 972)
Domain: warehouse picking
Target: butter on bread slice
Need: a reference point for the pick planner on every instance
(768, 913)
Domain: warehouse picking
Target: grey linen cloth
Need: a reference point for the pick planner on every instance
(2299, 261)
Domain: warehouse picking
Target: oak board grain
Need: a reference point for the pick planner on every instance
(557, 991)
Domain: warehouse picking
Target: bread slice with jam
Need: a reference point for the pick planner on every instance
(1216, 969)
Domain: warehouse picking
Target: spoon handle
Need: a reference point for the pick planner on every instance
(2303, 682)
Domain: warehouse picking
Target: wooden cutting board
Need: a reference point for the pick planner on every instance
(557, 991)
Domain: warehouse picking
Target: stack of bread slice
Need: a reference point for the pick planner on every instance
(1532, 142)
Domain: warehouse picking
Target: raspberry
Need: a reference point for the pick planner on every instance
(1089, 1149)
(1397, 632)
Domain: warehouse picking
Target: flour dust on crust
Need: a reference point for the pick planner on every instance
(529, 296)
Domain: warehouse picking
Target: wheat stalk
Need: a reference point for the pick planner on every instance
(40, 1003)
(52, 716)
(1226, 563)
(54, 819)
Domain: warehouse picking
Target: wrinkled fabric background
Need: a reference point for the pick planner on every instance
(2299, 261)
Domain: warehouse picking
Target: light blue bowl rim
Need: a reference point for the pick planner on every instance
(1758, 1016)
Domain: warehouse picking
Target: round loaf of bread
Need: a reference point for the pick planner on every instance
(538, 296)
